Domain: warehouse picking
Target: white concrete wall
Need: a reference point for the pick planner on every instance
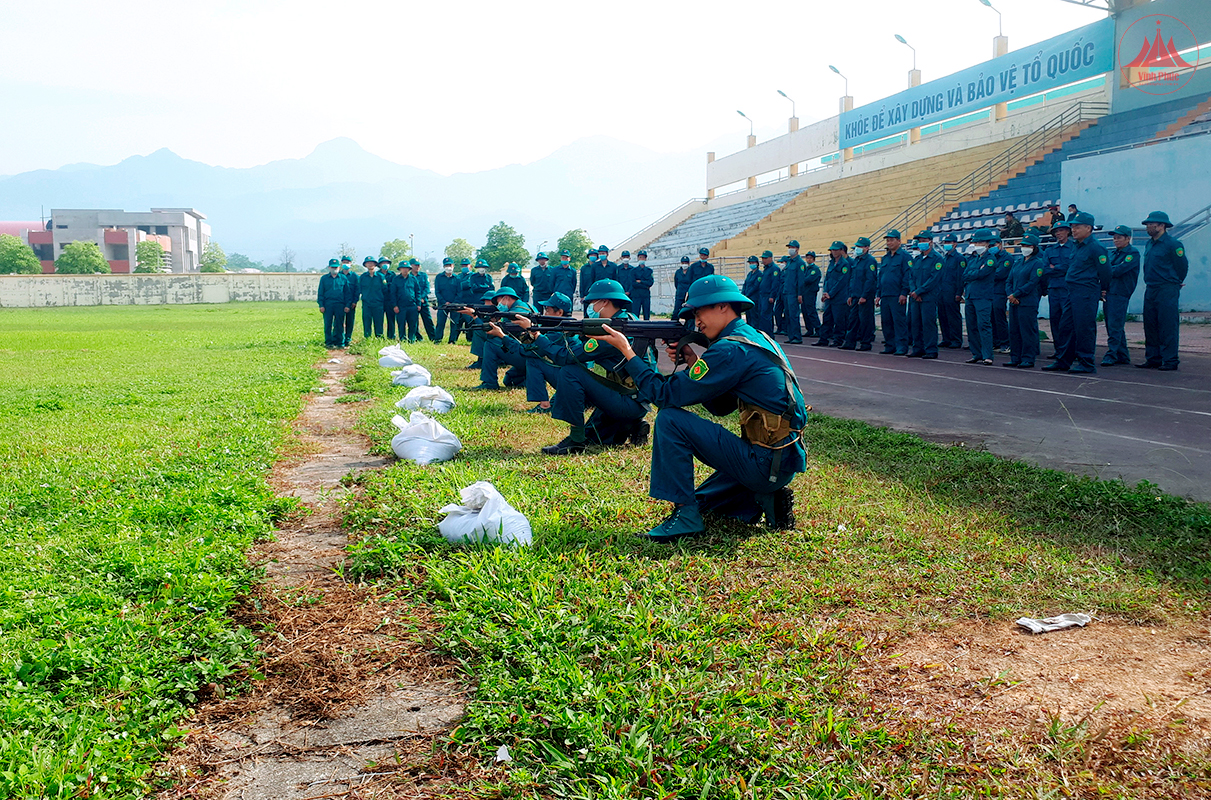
(45, 291)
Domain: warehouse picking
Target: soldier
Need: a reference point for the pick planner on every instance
(539, 372)
(541, 278)
(893, 296)
(863, 284)
(1088, 279)
(421, 287)
(402, 303)
(625, 275)
(641, 294)
(514, 280)
(564, 278)
(351, 298)
(1165, 270)
(792, 289)
(607, 270)
(446, 289)
(480, 281)
(741, 368)
(700, 268)
(1055, 288)
(331, 299)
(977, 281)
(809, 294)
(836, 292)
(1012, 230)
(681, 285)
(924, 283)
(588, 276)
(950, 294)
(770, 290)
(1023, 285)
(1124, 275)
(468, 296)
(1000, 318)
(499, 349)
(384, 268)
(372, 288)
(752, 290)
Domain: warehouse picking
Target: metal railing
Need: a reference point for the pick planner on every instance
(1193, 223)
(948, 195)
(662, 221)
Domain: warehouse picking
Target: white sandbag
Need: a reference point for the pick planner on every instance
(427, 398)
(393, 356)
(484, 516)
(411, 375)
(423, 439)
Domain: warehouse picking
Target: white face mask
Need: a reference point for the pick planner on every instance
(1028, 251)
(859, 251)
(626, 260)
(449, 270)
(481, 270)
(333, 270)
(980, 249)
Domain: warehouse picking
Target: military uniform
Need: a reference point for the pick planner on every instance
(1000, 320)
(681, 284)
(514, 280)
(924, 285)
(792, 287)
(863, 283)
(810, 293)
(1165, 270)
(588, 277)
(541, 373)
(701, 268)
(1023, 285)
(950, 295)
(331, 299)
(641, 292)
(563, 278)
(421, 289)
(541, 279)
(770, 290)
(446, 289)
(836, 291)
(403, 297)
(752, 289)
(351, 299)
(1055, 288)
(743, 369)
(384, 268)
(607, 270)
(978, 280)
(373, 288)
(506, 350)
(893, 299)
(1124, 276)
(1088, 276)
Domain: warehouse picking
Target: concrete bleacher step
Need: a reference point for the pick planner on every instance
(1185, 120)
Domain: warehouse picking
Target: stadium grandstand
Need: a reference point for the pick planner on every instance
(1121, 136)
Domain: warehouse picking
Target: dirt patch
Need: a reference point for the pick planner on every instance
(350, 704)
(1110, 679)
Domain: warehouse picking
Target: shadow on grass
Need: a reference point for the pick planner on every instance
(1159, 535)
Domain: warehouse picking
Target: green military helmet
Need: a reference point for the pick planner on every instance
(601, 248)
(332, 262)
(346, 260)
(643, 253)
(1083, 218)
(626, 253)
(892, 234)
(984, 235)
(541, 257)
(838, 246)
(767, 253)
(369, 260)
(481, 263)
(401, 265)
(447, 262)
(793, 243)
(711, 290)
(513, 268)
(1030, 240)
(488, 296)
(466, 262)
(811, 253)
(608, 290)
(862, 242)
(558, 300)
(504, 291)
(563, 253)
(1158, 216)
(1061, 223)
(412, 262)
(704, 251)
(685, 259)
(925, 235)
(1122, 230)
(384, 262)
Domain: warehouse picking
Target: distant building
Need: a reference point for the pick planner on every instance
(182, 232)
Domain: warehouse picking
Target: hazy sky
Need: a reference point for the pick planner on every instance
(458, 86)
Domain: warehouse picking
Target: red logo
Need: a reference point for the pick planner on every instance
(1158, 67)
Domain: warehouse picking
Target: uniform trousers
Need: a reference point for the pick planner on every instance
(1114, 308)
(923, 325)
(576, 389)
(372, 319)
(1161, 321)
(539, 374)
(495, 355)
(426, 317)
(1082, 310)
(811, 315)
(950, 320)
(1024, 332)
(1000, 320)
(409, 327)
(742, 470)
(1059, 317)
(334, 318)
(765, 317)
(894, 318)
(832, 321)
(390, 315)
(979, 327)
(442, 316)
(350, 319)
(478, 341)
(861, 329)
(790, 304)
(641, 305)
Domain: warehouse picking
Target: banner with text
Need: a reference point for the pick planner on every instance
(1071, 57)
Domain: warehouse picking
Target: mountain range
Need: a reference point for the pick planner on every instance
(342, 193)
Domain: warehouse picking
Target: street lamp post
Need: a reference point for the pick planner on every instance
(750, 122)
(834, 69)
(1000, 30)
(411, 244)
(788, 97)
(904, 42)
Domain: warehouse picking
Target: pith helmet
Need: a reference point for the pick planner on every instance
(609, 290)
(713, 289)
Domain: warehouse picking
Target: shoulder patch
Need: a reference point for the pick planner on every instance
(938, 265)
(844, 270)
(1101, 259)
(590, 345)
(1130, 257)
(1039, 272)
(699, 370)
(1181, 251)
(991, 262)
(872, 267)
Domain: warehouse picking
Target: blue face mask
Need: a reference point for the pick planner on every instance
(948, 247)
(592, 258)
(754, 265)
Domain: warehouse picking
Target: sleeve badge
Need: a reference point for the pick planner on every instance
(699, 370)
(590, 345)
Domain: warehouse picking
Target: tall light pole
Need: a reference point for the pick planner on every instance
(904, 42)
(834, 69)
(750, 122)
(1000, 31)
(784, 94)
(411, 245)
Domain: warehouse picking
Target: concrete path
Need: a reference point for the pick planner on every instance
(1123, 422)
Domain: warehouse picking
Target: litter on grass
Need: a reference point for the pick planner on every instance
(502, 754)
(393, 356)
(1059, 623)
(423, 439)
(485, 516)
(427, 398)
(411, 375)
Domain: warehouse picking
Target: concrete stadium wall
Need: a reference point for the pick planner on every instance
(1120, 188)
(48, 291)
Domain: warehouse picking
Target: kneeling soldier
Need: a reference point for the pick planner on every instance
(500, 349)
(745, 369)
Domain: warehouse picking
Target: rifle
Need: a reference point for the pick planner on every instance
(479, 310)
(642, 332)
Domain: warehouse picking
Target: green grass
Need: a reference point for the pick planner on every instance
(723, 667)
(134, 445)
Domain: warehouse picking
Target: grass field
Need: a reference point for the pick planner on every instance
(733, 666)
(134, 444)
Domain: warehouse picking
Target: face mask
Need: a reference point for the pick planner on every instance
(792, 252)
(481, 270)
(447, 270)
(333, 270)
(752, 266)
(465, 270)
(859, 251)
(626, 261)
(948, 247)
(980, 249)
(564, 262)
(592, 258)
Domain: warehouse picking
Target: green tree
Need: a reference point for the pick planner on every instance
(213, 259)
(576, 242)
(397, 250)
(239, 261)
(17, 257)
(149, 256)
(81, 258)
(504, 244)
(459, 249)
